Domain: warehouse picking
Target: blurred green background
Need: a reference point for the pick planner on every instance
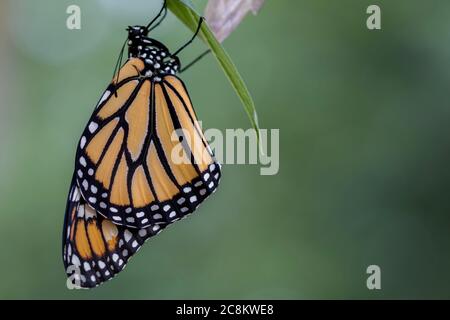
(364, 127)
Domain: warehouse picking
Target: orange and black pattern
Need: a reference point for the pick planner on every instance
(124, 161)
(94, 248)
(142, 163)
(126, 186)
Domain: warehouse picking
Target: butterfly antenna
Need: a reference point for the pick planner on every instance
(117, 67)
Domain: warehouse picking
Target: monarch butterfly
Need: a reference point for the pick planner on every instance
(126, 186)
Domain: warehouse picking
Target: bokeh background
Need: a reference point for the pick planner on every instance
(364, 153)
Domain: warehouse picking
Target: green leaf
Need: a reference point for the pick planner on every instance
(187, 3)
(186, 12)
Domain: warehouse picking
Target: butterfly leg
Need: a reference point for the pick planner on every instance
(195, 61)
(160, 21)
(163, 9)
(192, 39)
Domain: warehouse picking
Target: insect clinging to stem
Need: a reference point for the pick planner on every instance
(126, 185)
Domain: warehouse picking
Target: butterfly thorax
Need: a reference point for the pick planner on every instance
(157, 59)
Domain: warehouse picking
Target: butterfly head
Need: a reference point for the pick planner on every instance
(136, 32)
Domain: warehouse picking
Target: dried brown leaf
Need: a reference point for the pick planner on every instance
(223, 16)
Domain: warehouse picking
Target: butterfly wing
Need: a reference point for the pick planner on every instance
(94, 248)
(143, 159)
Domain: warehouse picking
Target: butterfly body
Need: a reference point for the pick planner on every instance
(157, 59)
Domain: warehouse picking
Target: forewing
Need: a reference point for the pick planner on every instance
(143, 159)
